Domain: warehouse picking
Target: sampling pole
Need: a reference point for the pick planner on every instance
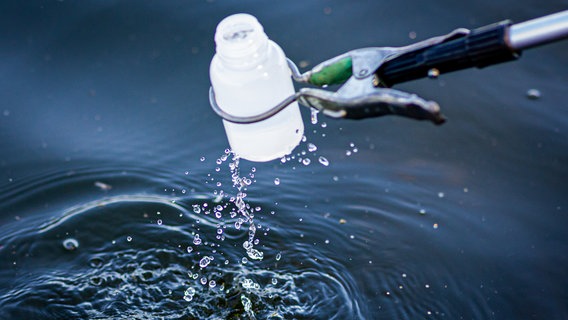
(485, 46)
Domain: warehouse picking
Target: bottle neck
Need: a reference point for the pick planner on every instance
(241, 43)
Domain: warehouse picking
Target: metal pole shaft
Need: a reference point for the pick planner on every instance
(539, 31)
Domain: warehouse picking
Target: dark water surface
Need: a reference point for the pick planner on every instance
(108, 211)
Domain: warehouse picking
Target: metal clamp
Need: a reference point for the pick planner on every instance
(362, 94)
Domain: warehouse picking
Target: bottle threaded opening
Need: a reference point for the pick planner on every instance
(240, 38)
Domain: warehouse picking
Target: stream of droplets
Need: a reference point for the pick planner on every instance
(241, 214)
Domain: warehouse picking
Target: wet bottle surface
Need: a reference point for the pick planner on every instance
(250, 75)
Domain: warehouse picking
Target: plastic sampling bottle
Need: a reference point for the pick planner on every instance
(250, 75)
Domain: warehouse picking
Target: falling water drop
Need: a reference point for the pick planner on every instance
(312, 147)
(314, 116)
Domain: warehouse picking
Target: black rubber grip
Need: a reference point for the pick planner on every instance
(480, 48)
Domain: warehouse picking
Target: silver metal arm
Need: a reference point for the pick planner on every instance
(539, 31)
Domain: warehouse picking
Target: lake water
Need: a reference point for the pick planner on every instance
(118, 200)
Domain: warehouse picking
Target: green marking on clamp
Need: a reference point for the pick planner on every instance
(335, 73)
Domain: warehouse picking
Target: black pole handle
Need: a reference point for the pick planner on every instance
(480, 48)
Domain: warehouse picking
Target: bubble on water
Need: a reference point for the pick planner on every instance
(203, 281)
(205, 261)
(196, 240)
(218, 214)
(128, 238)
(217, 169)
(351, 144)
(323, 124)
(202, 159)
(276, 181)
(159, 222)
(274, 281)
(312, 147)
(212, 284)
(196, 208)
(189, 249)
(306, 161)
(244, 260)
(323, 161)
(219, 161)
(326, 241)
(70, 244)
(348, 153)
(304, 139)
(278, 256)
(441, 194)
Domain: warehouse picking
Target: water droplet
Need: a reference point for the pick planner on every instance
(348, 153)
(244, 260)
(159, 222)
(441, 194)
(247, 304)
(314, 115)
(188, 294)
(196, 240)
(422, 211)
(323, 124)
(202, 159)
(278, 256)
(276, 181)
(189, 249)
(196, 208)
(306, 161)
(217, 169)
(129, 238)
(323, 161)
(212, 284)
(218, 214)
(435, 226)
(205, 261)
(326, 241)
(312, 147)
(203, 281)
(219, 161)
(533, 94)
(274, 281)
(70, 244)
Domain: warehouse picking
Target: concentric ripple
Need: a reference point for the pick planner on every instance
(140, 254)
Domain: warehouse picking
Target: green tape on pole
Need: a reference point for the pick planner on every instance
(336, 73)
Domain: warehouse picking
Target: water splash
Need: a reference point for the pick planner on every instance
(241, 182)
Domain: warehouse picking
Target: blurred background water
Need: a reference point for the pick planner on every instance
(112, 168)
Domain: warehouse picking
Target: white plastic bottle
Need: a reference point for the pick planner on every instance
(250, 75)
